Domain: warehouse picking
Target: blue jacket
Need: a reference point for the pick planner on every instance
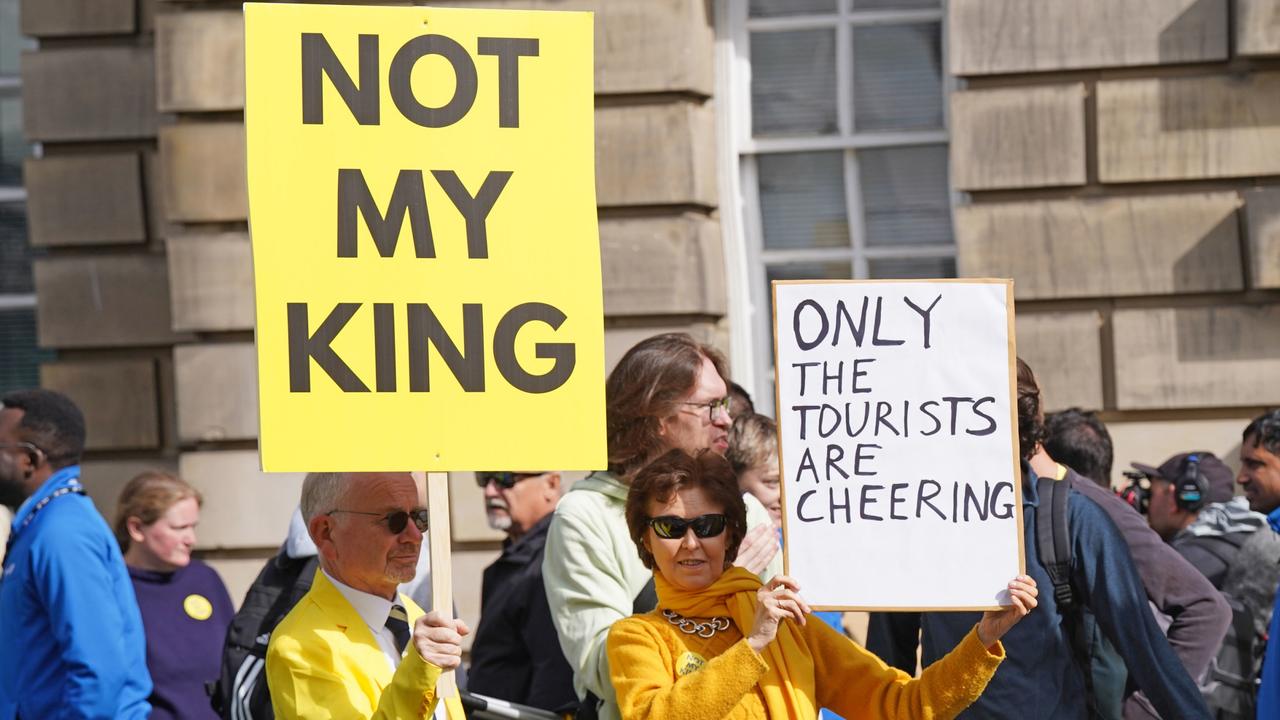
(1040, 677)
(1269, 690)
(72, 642)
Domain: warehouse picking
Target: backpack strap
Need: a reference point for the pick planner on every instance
(1053, 539)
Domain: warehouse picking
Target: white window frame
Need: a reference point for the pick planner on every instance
(11, 86)
(750, 341)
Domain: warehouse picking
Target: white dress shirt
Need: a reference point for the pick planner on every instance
(373, 610)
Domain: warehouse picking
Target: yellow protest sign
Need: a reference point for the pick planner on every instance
(425, 248)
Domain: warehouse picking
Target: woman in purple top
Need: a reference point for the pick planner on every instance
(185, 607)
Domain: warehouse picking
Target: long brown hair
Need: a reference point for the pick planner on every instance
(147, 497)
(1031, 430)
(646, 386)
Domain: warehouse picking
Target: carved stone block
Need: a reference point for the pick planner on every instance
(118, 399)
(203, 170)
(1189, 127)
(1010, 36)
(1197, 357)
(1147, 245)
(662, 154)
(212, 281)
(89, 93)
(217, 391)
(200, 61)
(85, 200)
(103, 301)
(666, 265)
(1018, 137)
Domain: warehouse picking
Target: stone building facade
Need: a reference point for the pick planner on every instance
(1121, 161)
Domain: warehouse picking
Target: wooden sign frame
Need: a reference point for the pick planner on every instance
(1013, 424)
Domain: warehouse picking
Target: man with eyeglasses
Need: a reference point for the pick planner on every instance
(71, 638)
(516, 655)
(353, 647)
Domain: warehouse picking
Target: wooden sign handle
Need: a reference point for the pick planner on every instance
(437, 484)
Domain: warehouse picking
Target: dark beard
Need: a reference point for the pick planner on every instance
(12, 494)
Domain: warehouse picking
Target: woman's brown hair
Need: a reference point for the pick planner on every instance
(1031, 430)
(674, 471)
(147, 497)
(646, 386)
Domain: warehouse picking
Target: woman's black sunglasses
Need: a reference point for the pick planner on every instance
(396, 521)
(674, 528)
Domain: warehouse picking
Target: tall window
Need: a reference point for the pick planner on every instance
(839, 129)
(19, 358)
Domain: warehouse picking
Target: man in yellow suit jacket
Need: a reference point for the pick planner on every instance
(353, 647)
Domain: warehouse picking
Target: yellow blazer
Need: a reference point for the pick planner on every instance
(323, 662)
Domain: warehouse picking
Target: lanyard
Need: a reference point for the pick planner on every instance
(71, 488)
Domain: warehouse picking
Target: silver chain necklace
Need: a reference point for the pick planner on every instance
(693, 627)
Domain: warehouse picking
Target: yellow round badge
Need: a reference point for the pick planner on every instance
(689, 662)
(198, 607)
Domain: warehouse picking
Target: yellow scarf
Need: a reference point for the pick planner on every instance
(788, 686)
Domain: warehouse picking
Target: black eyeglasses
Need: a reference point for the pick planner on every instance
(674, 528)
(721, 404)
(30, 449)
(396, 521)
(505, 480)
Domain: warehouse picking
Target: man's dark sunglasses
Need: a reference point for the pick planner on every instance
(505, 480)
(674, 528)
(396, 521)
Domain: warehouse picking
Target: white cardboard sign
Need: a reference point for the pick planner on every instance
(898, 442)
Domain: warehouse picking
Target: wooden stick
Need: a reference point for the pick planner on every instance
(437, 484)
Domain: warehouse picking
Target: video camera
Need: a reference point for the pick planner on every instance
(1138, 492)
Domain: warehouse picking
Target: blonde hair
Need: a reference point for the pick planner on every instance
(752, 439)
(147, 497)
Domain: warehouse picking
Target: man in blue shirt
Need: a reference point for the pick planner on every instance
(1260, 480)
(1042, 676)
(71, 642)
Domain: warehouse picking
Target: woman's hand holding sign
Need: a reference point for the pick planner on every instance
(995, 623)
(778, 601)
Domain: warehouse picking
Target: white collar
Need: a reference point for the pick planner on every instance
(373, 610)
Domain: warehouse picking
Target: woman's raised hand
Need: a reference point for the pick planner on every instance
(758, 548)
(778, 601)
(995, 623)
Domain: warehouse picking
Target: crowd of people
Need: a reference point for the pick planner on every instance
(651, 588)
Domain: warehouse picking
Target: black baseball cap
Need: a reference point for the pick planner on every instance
(1222, 482)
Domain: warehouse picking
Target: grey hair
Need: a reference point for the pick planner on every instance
(321, 492)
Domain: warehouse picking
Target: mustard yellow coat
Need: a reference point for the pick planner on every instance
(323, 662)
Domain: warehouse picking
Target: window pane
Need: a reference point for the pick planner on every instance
(912, 268)
(20, 361)
(793, 82)
(894, 4)
(12, 146)
(802, 201)
(15, 256)
(897, 77)
(834, 270)
(904, 195)
(11, 42)
(774, 8)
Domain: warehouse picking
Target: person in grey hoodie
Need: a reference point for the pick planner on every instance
(1222, 538)
(1191, 506)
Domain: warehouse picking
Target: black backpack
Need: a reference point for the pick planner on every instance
(241, 690)
(1230, 685)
